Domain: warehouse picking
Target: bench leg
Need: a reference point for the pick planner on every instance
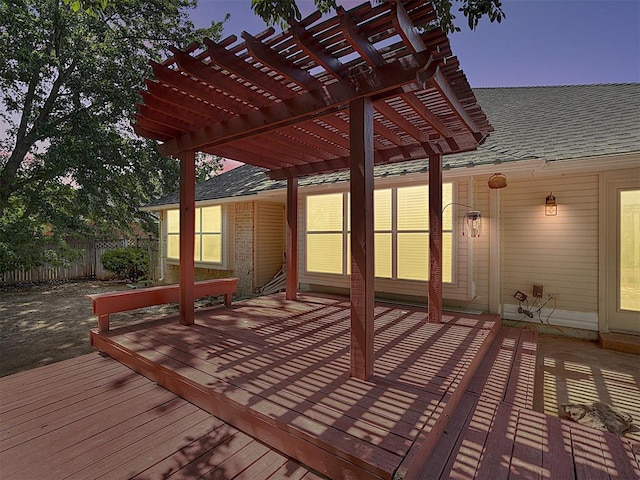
(103, 323)
(227, 299)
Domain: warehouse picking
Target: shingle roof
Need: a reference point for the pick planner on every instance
(547, 123)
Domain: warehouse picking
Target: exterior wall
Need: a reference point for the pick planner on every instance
(254, 236)
(244, 246)
(560, 253)
(478, 255)
(518, 247)
(457, 293)
(269, 241)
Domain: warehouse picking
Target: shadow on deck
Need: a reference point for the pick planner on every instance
(449, 400)
(279, 371)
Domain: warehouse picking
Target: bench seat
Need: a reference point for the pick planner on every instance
(106, 303)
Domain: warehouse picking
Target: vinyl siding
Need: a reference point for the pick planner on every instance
(561, 252)
(474, 259)
(269, 241)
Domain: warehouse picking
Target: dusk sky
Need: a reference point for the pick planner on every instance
(541, 42)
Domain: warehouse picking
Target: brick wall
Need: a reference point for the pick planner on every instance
(244, 246)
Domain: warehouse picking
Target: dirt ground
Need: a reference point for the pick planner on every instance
(47, 323)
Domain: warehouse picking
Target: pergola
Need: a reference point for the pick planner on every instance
(362, 88)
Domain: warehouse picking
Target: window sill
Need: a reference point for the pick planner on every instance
(210, 266)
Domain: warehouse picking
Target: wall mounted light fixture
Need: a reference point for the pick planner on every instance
(472, 220)
(550, 206)
(497, 180)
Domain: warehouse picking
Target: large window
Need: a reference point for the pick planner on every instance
(208, 234)
(401, 233)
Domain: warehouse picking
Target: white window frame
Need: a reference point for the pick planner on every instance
(225, 237)
(462, 285)
(345, 231)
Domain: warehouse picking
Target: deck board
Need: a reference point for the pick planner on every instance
(499, 436)
(280, 370)
(452, 400)
(114, 423)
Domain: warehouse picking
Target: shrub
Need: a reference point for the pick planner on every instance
(126, 263)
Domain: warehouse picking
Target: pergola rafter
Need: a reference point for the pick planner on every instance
(362, 88)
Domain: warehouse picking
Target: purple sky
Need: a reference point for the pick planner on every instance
(541, 42)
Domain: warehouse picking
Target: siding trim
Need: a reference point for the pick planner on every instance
(560, 318)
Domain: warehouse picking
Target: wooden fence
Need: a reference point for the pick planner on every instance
(88, 265)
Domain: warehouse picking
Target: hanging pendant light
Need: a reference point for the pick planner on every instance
(473, 223)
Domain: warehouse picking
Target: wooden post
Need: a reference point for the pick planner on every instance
(292, 238)
(362, 264)
(187, 235)
(435, 238)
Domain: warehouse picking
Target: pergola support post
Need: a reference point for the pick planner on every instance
(435, 239)
(292, 238)
(187, 235)
(362, 262)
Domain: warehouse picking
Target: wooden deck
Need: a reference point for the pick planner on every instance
(452, 400)
(91, 417)
(497, 435)
(279, 370)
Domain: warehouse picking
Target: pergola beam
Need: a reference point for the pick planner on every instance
(312, 141)
(316, 51)
(176, 98)
(387, 110)
(180, 112)
(197, 89)
(414, 102)
(280, 64)
(404, 26)
(359, 43)
(208, 74)
(381, 157)
(442, 85)
(306, 106)
(240, 67)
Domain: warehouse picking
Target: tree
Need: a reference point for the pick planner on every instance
(69, 82)
(279, 11)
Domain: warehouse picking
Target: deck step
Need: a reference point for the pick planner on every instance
(620, 342)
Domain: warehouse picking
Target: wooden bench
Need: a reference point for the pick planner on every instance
(106, 303)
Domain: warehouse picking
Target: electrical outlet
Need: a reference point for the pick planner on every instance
(537, 291)
(521, 297)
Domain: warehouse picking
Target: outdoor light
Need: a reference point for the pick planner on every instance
(473, 223)
(550, 206)
(472, 220)
(497, 180)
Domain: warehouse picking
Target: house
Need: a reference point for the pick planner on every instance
(579, 144)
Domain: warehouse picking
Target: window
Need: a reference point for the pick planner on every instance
(401, 233)
(208, 234)
(326, 231)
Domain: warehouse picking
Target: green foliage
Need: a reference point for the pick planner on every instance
(24, 244)
(277, 12)
(126, 263)
(89, 6)
(69, 83)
